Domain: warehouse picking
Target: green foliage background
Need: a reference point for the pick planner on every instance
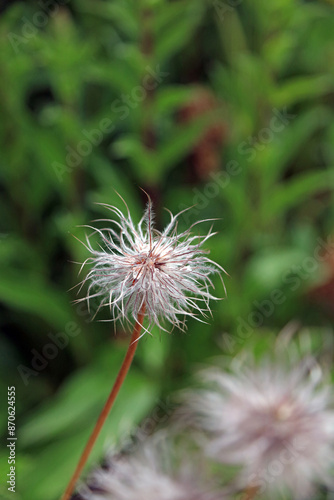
(64, 75)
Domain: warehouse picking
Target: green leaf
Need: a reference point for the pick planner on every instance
(82, 393)
(170, 98)
(267, 268)
(290, 194)
(288, 142)
(182, 140)
(119, 76)
(144, 161)
(184, 18)
(32, 295)
(120, 14)
(301, 88)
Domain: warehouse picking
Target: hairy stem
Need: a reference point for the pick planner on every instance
(107, 407)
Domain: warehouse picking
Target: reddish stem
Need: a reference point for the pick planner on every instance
(250, 492)
(107, 407)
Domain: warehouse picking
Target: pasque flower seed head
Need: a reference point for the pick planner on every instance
(167, 271)
(149, 474)
(276, 423)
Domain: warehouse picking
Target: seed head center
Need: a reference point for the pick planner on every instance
(284, 411)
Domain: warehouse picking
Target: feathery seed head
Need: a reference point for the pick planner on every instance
(136, 265)
(278, 425)
(146, 475)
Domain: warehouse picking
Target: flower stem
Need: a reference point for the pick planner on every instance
(250, 492)
(108, 405)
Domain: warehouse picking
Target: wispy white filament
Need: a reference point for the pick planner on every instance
(137, 264)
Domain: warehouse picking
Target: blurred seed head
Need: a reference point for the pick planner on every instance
(137, 264)
(278, 425)
(148, 475)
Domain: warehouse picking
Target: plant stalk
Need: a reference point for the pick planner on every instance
(250, 492)
(108, 405)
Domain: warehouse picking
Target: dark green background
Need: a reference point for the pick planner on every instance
(239, 122)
